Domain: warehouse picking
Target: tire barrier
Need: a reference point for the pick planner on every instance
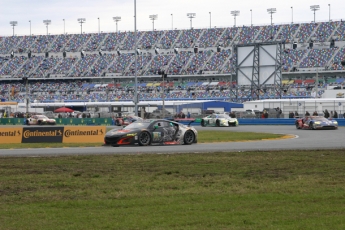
(53, 134)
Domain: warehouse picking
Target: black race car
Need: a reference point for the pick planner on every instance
(152, 132)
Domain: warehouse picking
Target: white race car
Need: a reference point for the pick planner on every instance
(219, 120)
(40, 120)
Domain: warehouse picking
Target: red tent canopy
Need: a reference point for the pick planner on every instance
(63, 110)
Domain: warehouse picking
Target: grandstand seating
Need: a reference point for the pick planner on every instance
(113, 53)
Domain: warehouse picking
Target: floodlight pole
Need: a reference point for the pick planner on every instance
(135, 55)
(99, 25)
(172, 21)
(81, 21)
(30, 27)
(235, 13)
(63, 26)
(329, 12)
(191, 16)
(13, 24)
(251, 17)
(153, 17)
(210, 20)
(314, 8)
(47, 23)
(291, 14)
(116, 19)
(272, 11)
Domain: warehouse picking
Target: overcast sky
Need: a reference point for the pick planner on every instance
(36, 11)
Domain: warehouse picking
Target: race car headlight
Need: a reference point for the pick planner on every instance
(335, 122)
(317, 122)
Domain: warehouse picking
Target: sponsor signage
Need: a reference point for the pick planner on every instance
(10, 135)
(83, 134)
(42, 134)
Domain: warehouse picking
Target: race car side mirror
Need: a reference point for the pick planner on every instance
(156, 126)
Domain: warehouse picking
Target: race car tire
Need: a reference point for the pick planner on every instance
(117, 123)
(39, 123)
(144, 138)
(217, 123)
(27, 122)
(297, 125)
(202, 123)
(311, 125)
(189, 137)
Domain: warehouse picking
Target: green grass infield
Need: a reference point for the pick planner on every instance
(237, 190)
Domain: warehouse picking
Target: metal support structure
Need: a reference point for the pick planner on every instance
(136, 60)
(278, 70)
(255, 80)
(251, 17)
(172, 21)
(64, 31)
(30, 27)
(255, 86)
(291, 14)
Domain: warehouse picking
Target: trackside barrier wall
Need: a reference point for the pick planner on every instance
(63, 121)
(268, 121)
(109, 121)
(53, 134)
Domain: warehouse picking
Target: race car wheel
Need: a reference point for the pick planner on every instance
(217, 123)
(27, 122)
(297, 125)
(311, 125)
(189, 137)
(144, 138)
(202, 123)
(117, 123)
(39, 123)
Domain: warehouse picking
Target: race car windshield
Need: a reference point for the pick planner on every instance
(223, 116)
(319, 119)
(138, 125)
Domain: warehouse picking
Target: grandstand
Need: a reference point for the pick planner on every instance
(200, 63)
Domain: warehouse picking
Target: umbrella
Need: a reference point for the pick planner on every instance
(63, 110)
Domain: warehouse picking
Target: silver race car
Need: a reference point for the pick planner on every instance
(219, 120)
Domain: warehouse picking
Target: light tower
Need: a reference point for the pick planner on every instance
(47, 23)
(271, 11)
(13, 24)
(314, 8)
(81, 21)
(116, 19)
(235, 13)
(191, 16)
(153, 17)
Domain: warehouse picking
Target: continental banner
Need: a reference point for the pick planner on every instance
(42, 134)
(10, 135)
(81, 134)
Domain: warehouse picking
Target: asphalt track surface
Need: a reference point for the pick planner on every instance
(299, 140)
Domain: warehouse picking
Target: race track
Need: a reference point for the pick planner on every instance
(302, 139)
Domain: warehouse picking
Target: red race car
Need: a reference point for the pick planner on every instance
(126, 120)
(315, 122)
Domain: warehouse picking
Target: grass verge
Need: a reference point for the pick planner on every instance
(250, 190)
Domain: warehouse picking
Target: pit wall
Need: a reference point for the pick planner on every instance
(110, 122)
